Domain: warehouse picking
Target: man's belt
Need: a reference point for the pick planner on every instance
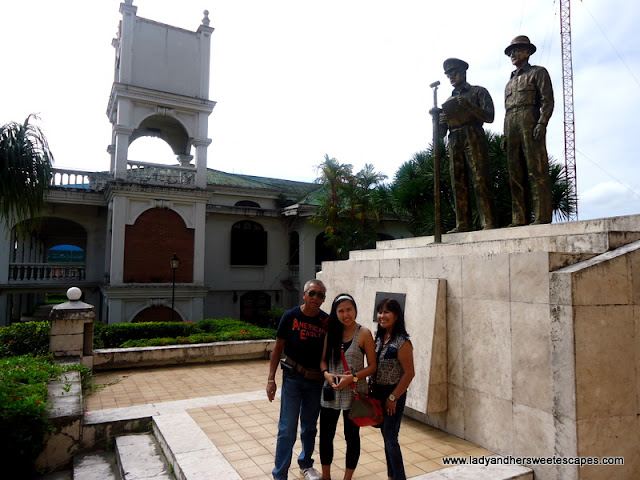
(308, 373)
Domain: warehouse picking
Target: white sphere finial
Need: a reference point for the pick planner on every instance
(74, 294)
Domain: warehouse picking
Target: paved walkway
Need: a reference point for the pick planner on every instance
(228, 403)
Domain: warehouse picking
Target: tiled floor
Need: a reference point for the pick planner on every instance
(125, 388)
(245, 432)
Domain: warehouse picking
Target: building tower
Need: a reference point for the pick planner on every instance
(160, 89)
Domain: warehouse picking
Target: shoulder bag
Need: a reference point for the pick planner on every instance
(366, 411)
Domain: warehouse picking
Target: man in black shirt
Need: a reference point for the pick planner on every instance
(300, 336)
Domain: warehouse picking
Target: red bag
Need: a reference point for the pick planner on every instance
(366, 411)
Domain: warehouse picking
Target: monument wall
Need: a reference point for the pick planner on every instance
(538, 336)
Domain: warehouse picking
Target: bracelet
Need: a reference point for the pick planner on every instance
(324, 371)
(271, 381)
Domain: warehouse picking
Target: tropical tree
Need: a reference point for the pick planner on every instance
(335, 177)
(25, 171)
(348, 211)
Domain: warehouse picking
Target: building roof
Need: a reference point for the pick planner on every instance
(290, 188)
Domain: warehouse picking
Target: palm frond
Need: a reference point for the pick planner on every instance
(25, 164)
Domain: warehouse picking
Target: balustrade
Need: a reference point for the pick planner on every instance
(160, 174)
(138, 172)
(79, 180)
(45, 272)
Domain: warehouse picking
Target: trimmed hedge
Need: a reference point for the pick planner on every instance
(123, 335)
(33, 337)
(25, 338)
(114, 336)
(226, 330)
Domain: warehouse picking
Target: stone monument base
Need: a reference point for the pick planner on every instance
(527, 339)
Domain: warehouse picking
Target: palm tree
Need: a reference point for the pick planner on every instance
(25, 171)
(348, 211)
(333, 175)
(410, 195)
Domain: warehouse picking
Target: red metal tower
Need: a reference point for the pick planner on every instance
(567, 87)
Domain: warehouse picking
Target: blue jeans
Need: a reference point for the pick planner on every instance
(300, 399)
(390, 429)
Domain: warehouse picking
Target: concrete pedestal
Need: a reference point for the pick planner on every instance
(541, 345)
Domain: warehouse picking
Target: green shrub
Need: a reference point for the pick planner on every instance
(24, 418)
(25, 338)
(125, 335)
(224, 330)
(55, 298)
(114, 336)
(215, 325)
(24, 412)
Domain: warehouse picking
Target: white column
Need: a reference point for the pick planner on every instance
(111, 150)
(122, 135)
(201, 159)
(199, 243)
(307, 271)
(126, 40)
(205, 32)
(107, 243)
(118, 223)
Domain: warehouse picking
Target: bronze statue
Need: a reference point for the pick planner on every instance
(528, 99)
(463, 115)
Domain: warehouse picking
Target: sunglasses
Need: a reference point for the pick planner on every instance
(313, 293)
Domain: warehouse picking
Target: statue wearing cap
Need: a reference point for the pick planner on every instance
(528, 99)
(463, 116)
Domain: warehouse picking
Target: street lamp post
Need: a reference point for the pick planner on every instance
(174, 262)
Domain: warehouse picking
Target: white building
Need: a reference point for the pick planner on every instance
(244, 243)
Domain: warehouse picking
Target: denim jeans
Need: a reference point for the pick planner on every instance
(300, 399)
(390, 430)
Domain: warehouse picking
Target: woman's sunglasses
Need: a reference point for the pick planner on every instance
(313, 293)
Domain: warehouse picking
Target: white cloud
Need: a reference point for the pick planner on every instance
(610, 196)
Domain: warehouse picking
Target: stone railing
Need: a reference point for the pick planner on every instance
(46, 272)
(78, 180)
(158, 174)
(138, 172)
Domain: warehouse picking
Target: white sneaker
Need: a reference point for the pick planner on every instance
(310, 473)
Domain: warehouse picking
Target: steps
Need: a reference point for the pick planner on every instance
(95, 466)
(136, 457)
(139, 457)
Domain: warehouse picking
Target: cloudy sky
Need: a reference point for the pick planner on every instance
(297, 79)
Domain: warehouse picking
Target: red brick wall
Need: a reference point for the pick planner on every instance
(151, 242)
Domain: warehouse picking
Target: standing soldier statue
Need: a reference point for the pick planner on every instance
(463, 115)
(528, 99)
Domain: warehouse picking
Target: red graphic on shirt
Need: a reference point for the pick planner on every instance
(309, 330)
